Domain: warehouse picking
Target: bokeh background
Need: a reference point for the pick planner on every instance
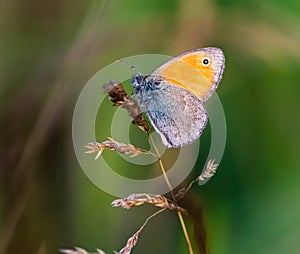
(50, 49)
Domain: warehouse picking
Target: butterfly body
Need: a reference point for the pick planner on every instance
(173, 95)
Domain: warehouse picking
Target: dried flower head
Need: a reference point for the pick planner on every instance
(210, 170)
(143, 198)
(131, 242)
(110, 144)
(119, 97)
(116, 92)
(79, 251)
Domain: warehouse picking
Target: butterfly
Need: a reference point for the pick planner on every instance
(173, 95)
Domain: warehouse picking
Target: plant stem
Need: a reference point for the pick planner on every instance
(173, 196)
(150, 217)
(185, 232)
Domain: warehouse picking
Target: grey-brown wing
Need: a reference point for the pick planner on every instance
(175, 113)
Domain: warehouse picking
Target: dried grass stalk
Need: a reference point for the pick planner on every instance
(110, 144)
(132, 241)
(119, 97)
(79, 251)
(209, 172)
(143, 198)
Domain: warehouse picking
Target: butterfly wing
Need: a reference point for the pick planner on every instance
(175, 113)
(190, 71)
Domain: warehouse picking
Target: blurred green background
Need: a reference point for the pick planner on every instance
(50, 49)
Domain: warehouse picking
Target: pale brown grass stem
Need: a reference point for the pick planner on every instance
(185, 232)
(173, 196)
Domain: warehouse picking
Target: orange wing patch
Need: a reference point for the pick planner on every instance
(188, 72)
(195, 60)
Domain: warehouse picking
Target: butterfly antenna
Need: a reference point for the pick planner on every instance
(130, 66)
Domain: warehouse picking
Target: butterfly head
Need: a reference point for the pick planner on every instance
(137, 81)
